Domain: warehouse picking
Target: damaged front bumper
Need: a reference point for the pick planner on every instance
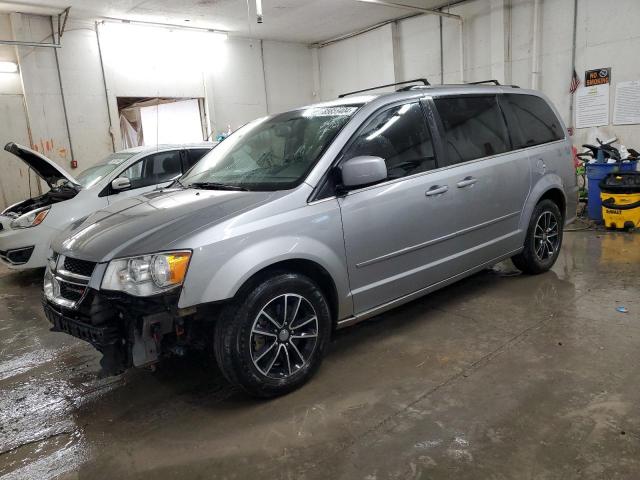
(128, 331)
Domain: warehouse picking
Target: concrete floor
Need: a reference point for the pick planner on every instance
(496, 377)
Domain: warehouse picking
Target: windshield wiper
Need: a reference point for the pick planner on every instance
(218, 186)
(176, 182)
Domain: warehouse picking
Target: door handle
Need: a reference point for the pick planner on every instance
(467, 182)
(436, 190)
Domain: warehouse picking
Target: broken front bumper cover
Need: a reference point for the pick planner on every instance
(99, 337)
(132, 333)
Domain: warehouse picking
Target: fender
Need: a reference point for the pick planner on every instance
(546, 183)
(234, 272)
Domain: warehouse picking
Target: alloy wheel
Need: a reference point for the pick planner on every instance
(284, 335)
(546, 237)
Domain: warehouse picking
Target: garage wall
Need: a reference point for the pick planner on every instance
(240, 79)
(41, 88)
(15, 183)
(606, 36)
(289, 75)
(357, 62)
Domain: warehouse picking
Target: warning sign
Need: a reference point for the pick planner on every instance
(599, 76)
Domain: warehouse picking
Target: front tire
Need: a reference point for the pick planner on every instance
(272, 339)
(543, 241)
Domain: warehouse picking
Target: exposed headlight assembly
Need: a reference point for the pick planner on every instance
(147, 274)
(30, 219)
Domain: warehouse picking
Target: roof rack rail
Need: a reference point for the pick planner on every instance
(424, 81)
(495, 82)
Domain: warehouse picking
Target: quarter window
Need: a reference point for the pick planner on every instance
(538, 124)
(400, 136)
(474, 127)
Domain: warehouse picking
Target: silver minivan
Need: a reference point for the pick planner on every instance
(314, 219)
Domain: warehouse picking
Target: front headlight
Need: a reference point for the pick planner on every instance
(147, 274)
(30, 219)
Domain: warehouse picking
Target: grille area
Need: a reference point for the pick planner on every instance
(79, 267)
(71, 292)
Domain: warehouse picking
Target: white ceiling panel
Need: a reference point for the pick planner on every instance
(306, 21)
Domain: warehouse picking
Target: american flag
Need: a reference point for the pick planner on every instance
(575, 82)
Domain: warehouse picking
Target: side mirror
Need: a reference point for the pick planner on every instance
(120, 183)
(365, 170)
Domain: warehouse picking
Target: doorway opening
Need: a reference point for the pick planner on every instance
(152, 121)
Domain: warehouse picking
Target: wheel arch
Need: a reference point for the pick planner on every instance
(556, 195)
(548, 187)
(309, 268)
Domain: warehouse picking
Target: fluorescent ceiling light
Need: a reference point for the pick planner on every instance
(259, 10)
(8, 67)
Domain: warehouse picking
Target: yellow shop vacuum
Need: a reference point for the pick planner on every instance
(620, 195)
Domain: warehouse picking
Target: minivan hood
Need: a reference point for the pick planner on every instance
(151, 222)
(46, 169)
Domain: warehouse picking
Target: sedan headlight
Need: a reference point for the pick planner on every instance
(147, 274)
(30, 219)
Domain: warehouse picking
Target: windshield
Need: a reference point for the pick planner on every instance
(272, 153)
(93, 175)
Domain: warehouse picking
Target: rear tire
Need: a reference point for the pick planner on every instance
(543, 241)
(272, 339)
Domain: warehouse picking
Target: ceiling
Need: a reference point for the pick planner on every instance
(306, 21)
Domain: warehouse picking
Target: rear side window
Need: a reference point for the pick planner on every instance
(474, 127)
(400, 136)
(538, 124)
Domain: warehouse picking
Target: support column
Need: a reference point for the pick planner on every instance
(500, 40)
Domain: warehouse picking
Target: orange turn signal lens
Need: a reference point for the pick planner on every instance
(40, 217)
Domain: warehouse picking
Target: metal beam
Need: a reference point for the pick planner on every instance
(62, 23)
(19, 43)
(388, 3)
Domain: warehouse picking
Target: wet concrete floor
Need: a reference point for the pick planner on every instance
(499, 376)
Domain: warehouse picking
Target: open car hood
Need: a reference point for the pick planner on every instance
(49, 171)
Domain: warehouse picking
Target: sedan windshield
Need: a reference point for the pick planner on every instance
(93, 175)
(272, 153)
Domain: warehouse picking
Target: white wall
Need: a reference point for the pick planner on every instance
(419, 48)
(288, 74)
(9, 82)
(41, 88)
(358, 62)
(607, 36)
(147, 62)
(16, 181)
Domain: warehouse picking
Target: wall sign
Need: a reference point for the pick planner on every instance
(599, 76)
(592, 106)
(627, 107)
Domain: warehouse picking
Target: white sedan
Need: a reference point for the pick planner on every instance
(27, 227)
